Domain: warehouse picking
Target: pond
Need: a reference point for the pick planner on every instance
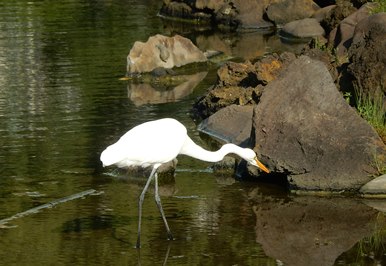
(62, 101)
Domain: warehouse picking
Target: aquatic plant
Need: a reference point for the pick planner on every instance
(374, 244)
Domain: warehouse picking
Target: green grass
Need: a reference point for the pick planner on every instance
(381, 6)
(372, 110)
(379, 163)
(373, 245)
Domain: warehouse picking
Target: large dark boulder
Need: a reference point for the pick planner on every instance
(367, 56)
(304, 129)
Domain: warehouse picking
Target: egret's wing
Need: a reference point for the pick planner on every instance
(158, 141)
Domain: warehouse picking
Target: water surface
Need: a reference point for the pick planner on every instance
(62, 102)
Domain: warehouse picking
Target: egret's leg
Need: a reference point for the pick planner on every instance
(158, 201)
(141, 198)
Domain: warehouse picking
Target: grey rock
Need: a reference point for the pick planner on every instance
(304, 28)
(284, 11)
(375, 186)
(322, 13)
(231, 124)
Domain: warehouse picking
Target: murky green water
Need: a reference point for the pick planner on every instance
(62, 103)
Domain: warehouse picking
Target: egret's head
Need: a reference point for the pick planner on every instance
(109, 156)
(252, 159)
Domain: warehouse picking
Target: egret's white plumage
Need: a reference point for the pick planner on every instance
(156, 142)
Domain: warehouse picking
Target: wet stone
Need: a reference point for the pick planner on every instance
(376, 187)
(302, 29)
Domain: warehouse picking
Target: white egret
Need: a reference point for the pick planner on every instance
(156, 142)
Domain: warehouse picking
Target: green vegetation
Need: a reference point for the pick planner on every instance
(317, 43)
(332, 52)
(373, 245)
(371, 109)
(379, 164)
(381, 6)
(370, 249)
(347, 96)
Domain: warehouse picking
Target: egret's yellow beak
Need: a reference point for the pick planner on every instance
(261, 166)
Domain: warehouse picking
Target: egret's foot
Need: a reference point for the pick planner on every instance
(138, 245)
(170, 236)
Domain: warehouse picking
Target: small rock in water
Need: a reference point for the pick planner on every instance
(303, 29)
(376, 187)
(162, 51)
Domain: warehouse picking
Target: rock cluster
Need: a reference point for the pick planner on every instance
(302, 126)
(290, 108)
(296, 18)
(240, 14)
(240, 83)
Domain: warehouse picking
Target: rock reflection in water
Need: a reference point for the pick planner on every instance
(151, 93)
(249, 44)
(310, 230)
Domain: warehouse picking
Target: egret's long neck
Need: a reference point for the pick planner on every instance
(193, 150)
